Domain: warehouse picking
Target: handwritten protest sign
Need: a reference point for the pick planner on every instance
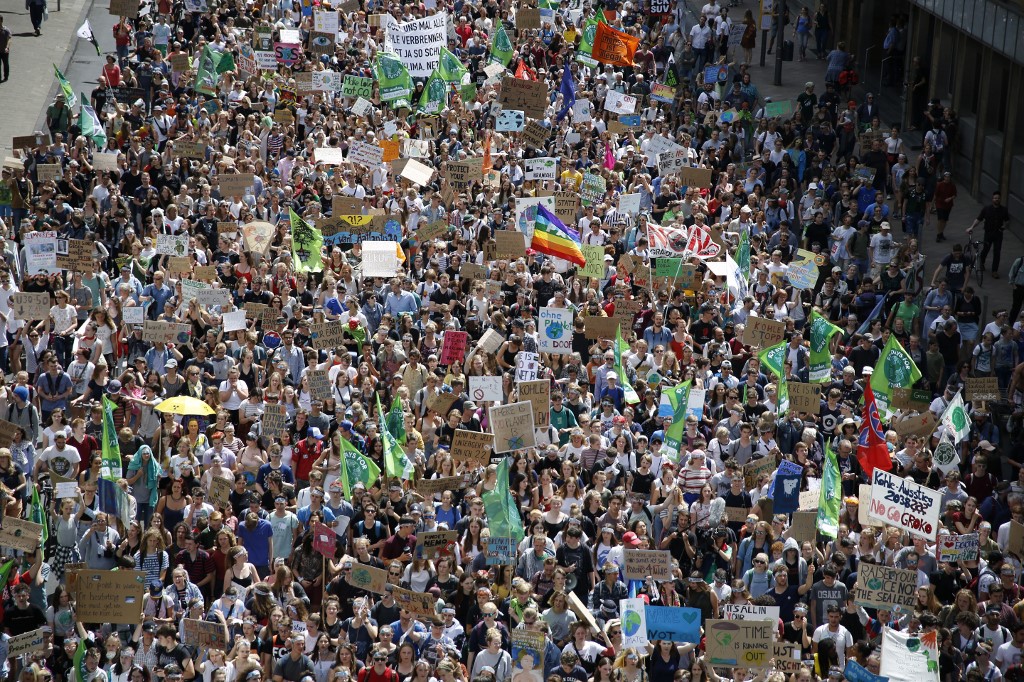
(204, 634)
(433, 486)
(472, 446)
(275, 421)
(804, 525)
(538, 393)
(750, 612)
(555, 330)
(110, 596)
(31, 306)
(762, 332)
(739, 643)
(677, 624)
(883, 587)
(418, 603)
(500, 550)
(530, 97)
(513, 427)
(486, 388)
(752, 471)
(954, 548)
(804, 397)
(641, 563)
(453, 350)
(368, 578)
(432, 545)
(20, 534)
(28, 643)
(319, 384)
(983, 388)
(220, 490)
(902, 503)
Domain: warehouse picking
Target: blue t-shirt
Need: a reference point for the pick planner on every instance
(256, 541)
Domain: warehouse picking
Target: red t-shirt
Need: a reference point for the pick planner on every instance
(303, 457)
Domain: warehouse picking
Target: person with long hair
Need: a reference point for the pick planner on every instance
(152, 557)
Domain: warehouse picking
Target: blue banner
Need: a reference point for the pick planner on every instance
(855, 672)
(678, 624)
(785, 487)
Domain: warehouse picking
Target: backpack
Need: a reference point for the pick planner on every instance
(391, 675)
(848, 77)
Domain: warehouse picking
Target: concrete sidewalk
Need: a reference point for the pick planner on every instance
(32, 84)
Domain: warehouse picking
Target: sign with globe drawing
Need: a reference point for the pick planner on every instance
(555, 331)
(634, 622)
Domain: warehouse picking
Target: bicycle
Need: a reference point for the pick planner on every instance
(973, 252)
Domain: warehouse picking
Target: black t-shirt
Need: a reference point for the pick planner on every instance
(175, 656)
(20, 621)
(994, 217)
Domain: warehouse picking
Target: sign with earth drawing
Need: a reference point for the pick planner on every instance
(555, 331)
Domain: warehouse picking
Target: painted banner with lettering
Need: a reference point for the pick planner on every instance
(418, 43)
(910, 658)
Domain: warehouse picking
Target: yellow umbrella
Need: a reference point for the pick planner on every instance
(183, 405)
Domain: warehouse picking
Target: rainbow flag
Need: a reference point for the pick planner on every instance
(552, 237)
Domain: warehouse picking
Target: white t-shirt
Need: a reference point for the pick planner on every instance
(842, 637)
(62, 462)
(233, 402)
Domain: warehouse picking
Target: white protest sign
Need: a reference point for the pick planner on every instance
(326, 81)
(672, 160)
(40, 252)
(903, 663)
(634, 622)
(380, 259)
(618, 103)
(581, 110)
(751, 612)
(418, 43)
(362, 107)
(542, 168)
(486, 388)
(330, 156)
(526, 365)
(133, 314)
(234, 321)
(366, 154)
(325, 22)
(902, 503)
(555, 327)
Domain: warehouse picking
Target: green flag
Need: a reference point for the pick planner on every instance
(587, 42)
(774, 358)
(110, 469)
(894, 369)
(70, 100)
(678, 398)
(394, 80)
(451, 68)
(396, 464)
(671, 79)
(395, 420)
(78, 663)
(782, 404)
(822, 332)
(743, 253)
(830, 497)
(620, 345)
(503, 518)
(5, 573)
(36, 514)
(91, 126)
(501, 47)
(307, 244)
(358, 468)
(435, 94)
(210, 66)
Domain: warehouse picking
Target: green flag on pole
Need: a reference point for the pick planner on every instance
(620, 346)
(678, 399)
(830, 496)
(587, 42)
(503, 518)
(91, 125)
(435, 94)
(210, 66)
(501, 47)
(774, 358)
(307, 243)
(450, 67)
(393, 79)
(955, 419)
(396, 463)
(743, 253)
(894, 369)
(358, 468)
(822, 332)
(70, 99)
(78, 662)
(5, 573)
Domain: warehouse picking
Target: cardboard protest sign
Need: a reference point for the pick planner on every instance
(172, 245)
(864, 495)
(431, 545)
(530, 97)
(442, 402)
(418, 603)
(1015, 545)
(220, 490)
(167, 332)
(368, 578)
(804, 526)
(753, 469)
(535, 135)
(538, 393)
(31, 306)
(787, 657)
(600, 327)
(513, 427)
(28, 643)
(77, 254)
(20, 534)
(762, 332)
(954, 548)
(582, 612)
(641, 563)
(983, 388)
(739, 643)
(234, 185)
(204, 634)
(453, 348)
(884, 587)
(319, 384)
(417, 173)
(473, 447)
(434, 486)
(902, 503)
(110, 596)
(7, 431)
(275, 420)
(804, 397)
(509, 245)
